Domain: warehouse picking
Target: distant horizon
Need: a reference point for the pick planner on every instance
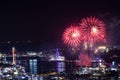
(44, 22)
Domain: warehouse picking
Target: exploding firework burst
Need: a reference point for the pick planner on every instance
(72, 36)
(93, 30)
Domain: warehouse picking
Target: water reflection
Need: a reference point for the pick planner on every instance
(60, 67)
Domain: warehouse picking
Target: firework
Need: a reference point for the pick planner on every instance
(72, 36)
(93, 30)
(84, 60)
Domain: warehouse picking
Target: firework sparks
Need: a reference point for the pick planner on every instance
(93, 30)
(72, 36)
(84, 60)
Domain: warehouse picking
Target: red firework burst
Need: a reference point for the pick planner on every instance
(84, 60)
(72, 36)
(93, 29)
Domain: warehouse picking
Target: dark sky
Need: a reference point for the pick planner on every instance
(45, 21)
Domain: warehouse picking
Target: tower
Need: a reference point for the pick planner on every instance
(13, 56)
(57, 53)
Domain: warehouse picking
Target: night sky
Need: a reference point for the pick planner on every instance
(45, 21)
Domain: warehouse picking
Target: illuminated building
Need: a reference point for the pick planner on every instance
(57, 57)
